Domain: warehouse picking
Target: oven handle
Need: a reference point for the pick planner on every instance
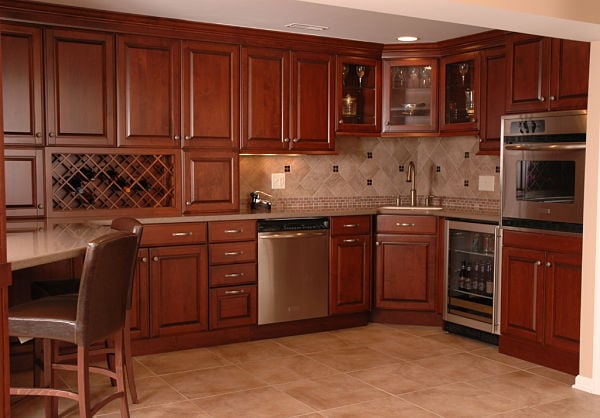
(545, 147)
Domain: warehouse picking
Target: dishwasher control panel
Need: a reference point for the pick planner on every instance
(292, 224)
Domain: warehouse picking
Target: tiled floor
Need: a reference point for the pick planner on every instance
(373, 371)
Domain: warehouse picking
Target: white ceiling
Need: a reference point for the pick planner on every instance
(366, 20)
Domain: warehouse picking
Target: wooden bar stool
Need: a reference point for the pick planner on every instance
(71, 287)
(97, 313)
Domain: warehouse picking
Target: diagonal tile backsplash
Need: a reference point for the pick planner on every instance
(372, 171)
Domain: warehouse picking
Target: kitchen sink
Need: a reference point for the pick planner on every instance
(388, 209)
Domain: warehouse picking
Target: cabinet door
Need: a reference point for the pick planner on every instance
(312, 123)
(22, 84)
(211, 100)
(148, 91)
(265, 99)
(528, 64)
(350, 274)
(569, 74)
(563, 301)
(459, 93)
(211, 181)
(233, 306)
(24, 182)
(80, 80)
(406, 272)
(522, 304)
(139, 314)
(178, 289)
(493, 90)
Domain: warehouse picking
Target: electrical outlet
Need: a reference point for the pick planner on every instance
(278, 181)
(486, 183)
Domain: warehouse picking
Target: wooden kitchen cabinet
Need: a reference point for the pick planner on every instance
(492, 107)
(22, 84)
(546, 74)
(350, 264)
(541, 298)
(460, 93)
(410, 98)
(406, 264)
(283, 113)
(24, 182)
(358, 96)
(148, 91)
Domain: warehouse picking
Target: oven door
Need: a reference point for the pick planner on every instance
(543, 182)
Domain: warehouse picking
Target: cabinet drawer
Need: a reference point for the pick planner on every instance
(233, 306)
(233, 252)
(350, 225)
(173, 234)
(232, 275)
(228, 231)
(406, 224)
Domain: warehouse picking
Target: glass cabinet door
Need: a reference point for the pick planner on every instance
(358, 98)
(460, 93)
(410, 99)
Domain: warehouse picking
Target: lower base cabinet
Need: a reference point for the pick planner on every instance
(233, 306)
(541, 298)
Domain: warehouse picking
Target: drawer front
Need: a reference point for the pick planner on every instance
(232, 274)
(350, 225)
(232, 252)
(173, 234)
(406, 224)
(228, 231)
(233, 306)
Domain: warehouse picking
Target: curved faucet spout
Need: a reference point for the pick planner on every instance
(411, 176)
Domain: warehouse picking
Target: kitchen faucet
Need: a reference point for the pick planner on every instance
(411, 176)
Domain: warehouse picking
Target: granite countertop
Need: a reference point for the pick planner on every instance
(31, 243)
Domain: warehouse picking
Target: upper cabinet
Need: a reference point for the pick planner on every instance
(358, 107)
(283, 110)
(493, 89)
(148, 89)
(459, 93)
(546, 74)
(22, 85)
(410, 95)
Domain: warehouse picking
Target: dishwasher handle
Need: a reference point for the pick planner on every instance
(295, 234)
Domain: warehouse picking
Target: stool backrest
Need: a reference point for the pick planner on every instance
(135, 227)
(105, 283)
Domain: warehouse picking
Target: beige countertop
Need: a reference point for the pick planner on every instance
(31, 243)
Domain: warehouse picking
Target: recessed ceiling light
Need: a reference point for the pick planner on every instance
(306, 26)
(407, 38)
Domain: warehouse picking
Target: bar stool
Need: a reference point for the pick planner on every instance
(97, 313)
(71, 287)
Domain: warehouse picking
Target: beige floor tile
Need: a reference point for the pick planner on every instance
(185, 409)
(402, 378)
(180, 361)
(464, 366)
(522, 413)
(350, 359)
(459, 400)
(417, 330)
(253, 350)
(579, 405)
(287, 369)
(366, 335)
(457, 341)
(332, 391)
(262, 402)
(568, 379)
(210, 382)
(313, 343)
(392, 408)
(492, 353)
(154, 391)
(409, 347)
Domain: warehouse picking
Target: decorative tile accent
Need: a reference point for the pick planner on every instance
(466, 154)
(336, 168)
(286, 168)
(369, 182)
(369, 155)
(466, 183)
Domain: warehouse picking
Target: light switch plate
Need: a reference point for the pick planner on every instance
(277, 180)
(486, 183)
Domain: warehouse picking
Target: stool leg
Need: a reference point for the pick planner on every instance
(128, 358)
(83, 381)
(51, 402)
(120, 372)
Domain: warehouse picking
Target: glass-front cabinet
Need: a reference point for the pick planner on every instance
(459, 93)
(358, 106)
(410, 95)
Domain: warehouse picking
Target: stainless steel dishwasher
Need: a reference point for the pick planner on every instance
(293, 269)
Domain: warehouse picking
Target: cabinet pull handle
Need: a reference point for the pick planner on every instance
(155, 258)
(548, 264)
(181, 234)
(38, 134)
(233, 253)
(51, 134)
(296, 140)
(341, 122)
(350, 241)
(286, 140)
(538, 263)
(234, 275)
(188, 137)
(40, 206)
(542, 99)
(351, 225)
(234, 292)
(144, 259)
(176, 138)
(233, 231)
(552, 98)
(404, 224)
(188, 202)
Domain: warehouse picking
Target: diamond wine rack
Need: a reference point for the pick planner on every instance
(107, 181)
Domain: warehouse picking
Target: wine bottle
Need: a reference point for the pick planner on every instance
(461, 275)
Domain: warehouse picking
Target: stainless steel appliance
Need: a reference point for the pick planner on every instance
(293, 269)
(471, 277)
(543, 164)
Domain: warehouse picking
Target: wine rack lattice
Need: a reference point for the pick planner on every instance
(112, 181)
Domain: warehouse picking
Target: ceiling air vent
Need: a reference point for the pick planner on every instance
(306, 26)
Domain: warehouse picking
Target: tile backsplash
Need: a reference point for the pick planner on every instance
(369, 172)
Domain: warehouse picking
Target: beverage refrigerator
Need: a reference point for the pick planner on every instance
(471, 279)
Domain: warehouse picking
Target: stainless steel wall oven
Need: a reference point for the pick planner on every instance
(543, 165)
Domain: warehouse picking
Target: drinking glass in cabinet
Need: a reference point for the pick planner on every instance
(410, 95)
(459, 92)
(358, 94)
